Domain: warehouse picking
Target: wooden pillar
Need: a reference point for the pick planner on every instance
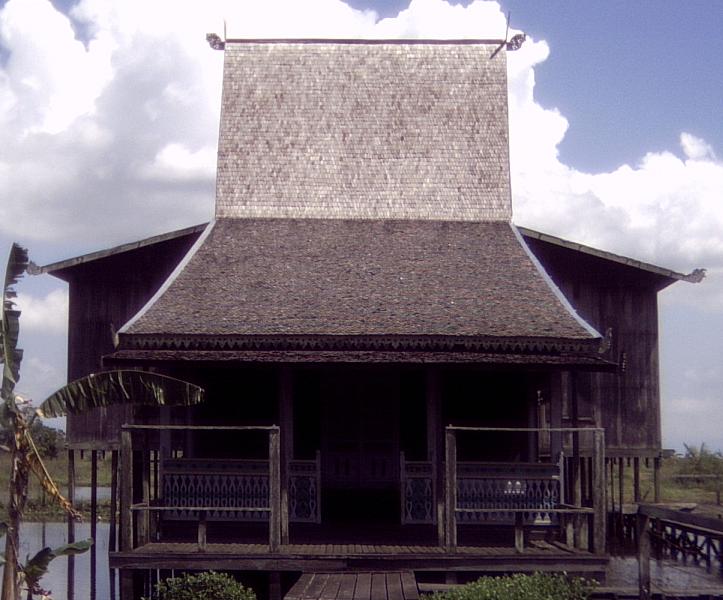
(519, 533)
(93, 517)
(126, 492)
(286, 417)
(621, 496)
(435, 443)
(202, 531)
(576, 489)
(71, 524)
(143, 523)
(275, 585)
(656, 479)
(450, 490)
(643, 534)
(274, 490)
(636, 479)
(598, 492)
(165, 443)
(556, 398)
(112, 533)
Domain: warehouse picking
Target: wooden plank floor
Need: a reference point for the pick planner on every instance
(538, 555)
(376, 585)
(539, 548)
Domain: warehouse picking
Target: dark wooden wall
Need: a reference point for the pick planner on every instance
(109, 291)
(623, 298)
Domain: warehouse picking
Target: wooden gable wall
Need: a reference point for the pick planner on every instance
(621, 298)
(105, 293)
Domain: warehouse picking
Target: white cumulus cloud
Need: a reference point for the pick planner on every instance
(47, 314)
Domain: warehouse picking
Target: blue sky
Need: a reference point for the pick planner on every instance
(109, 117)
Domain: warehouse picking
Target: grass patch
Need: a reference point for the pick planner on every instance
(39, 507)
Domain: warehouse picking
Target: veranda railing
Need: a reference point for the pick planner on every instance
(135, 516)
(569, 507)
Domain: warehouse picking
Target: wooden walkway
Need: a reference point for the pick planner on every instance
(379, 585)
(327, 558)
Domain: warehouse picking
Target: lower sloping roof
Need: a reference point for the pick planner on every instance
(250, 280)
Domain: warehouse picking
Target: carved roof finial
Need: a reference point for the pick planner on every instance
(215, 41)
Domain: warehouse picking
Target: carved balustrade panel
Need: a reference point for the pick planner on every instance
(234, 483)
(485, 486)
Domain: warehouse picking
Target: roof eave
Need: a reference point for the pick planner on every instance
(56, 267)
(695, 276)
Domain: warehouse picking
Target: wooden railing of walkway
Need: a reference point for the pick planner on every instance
(675, 533)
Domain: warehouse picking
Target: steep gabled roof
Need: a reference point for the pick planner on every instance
(403, 129)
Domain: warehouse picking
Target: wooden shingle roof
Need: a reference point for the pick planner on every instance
(250, 279)
(364, 129)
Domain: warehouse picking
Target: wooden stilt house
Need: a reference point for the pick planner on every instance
(396, 375)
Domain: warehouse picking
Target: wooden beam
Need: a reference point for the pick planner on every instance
(274, 490)
(656, 479)
(598, 491)
(450, 487)
(126, 495)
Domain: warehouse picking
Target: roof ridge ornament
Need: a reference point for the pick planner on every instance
(695, 276)
(510, 44)
(215, 41)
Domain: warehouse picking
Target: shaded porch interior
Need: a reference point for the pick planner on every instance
(362, 457)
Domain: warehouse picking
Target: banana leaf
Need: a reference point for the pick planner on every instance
(37, 566)
(10, 355)
(120, 387)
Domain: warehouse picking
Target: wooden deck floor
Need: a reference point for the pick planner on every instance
(380, 585)
(539, 555)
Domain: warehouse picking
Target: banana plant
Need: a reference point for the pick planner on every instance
(35, 568)
(98, 389)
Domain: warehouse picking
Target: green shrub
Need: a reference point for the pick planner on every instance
(538, 586)
(207, 585)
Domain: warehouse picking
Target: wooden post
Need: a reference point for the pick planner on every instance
(112, 533)
(575, 480)
(275, 585)
(202, 531)
(450, 490)
(71, 523)
(643, 532)
(274, 490)
(656, 479)
(93, 517)
(519, 533)
(434, 450)
(636, 479)
(126, 489)
(286, 416)
(556, 397)
(598, 491)
(621, 496)
(143, 522)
